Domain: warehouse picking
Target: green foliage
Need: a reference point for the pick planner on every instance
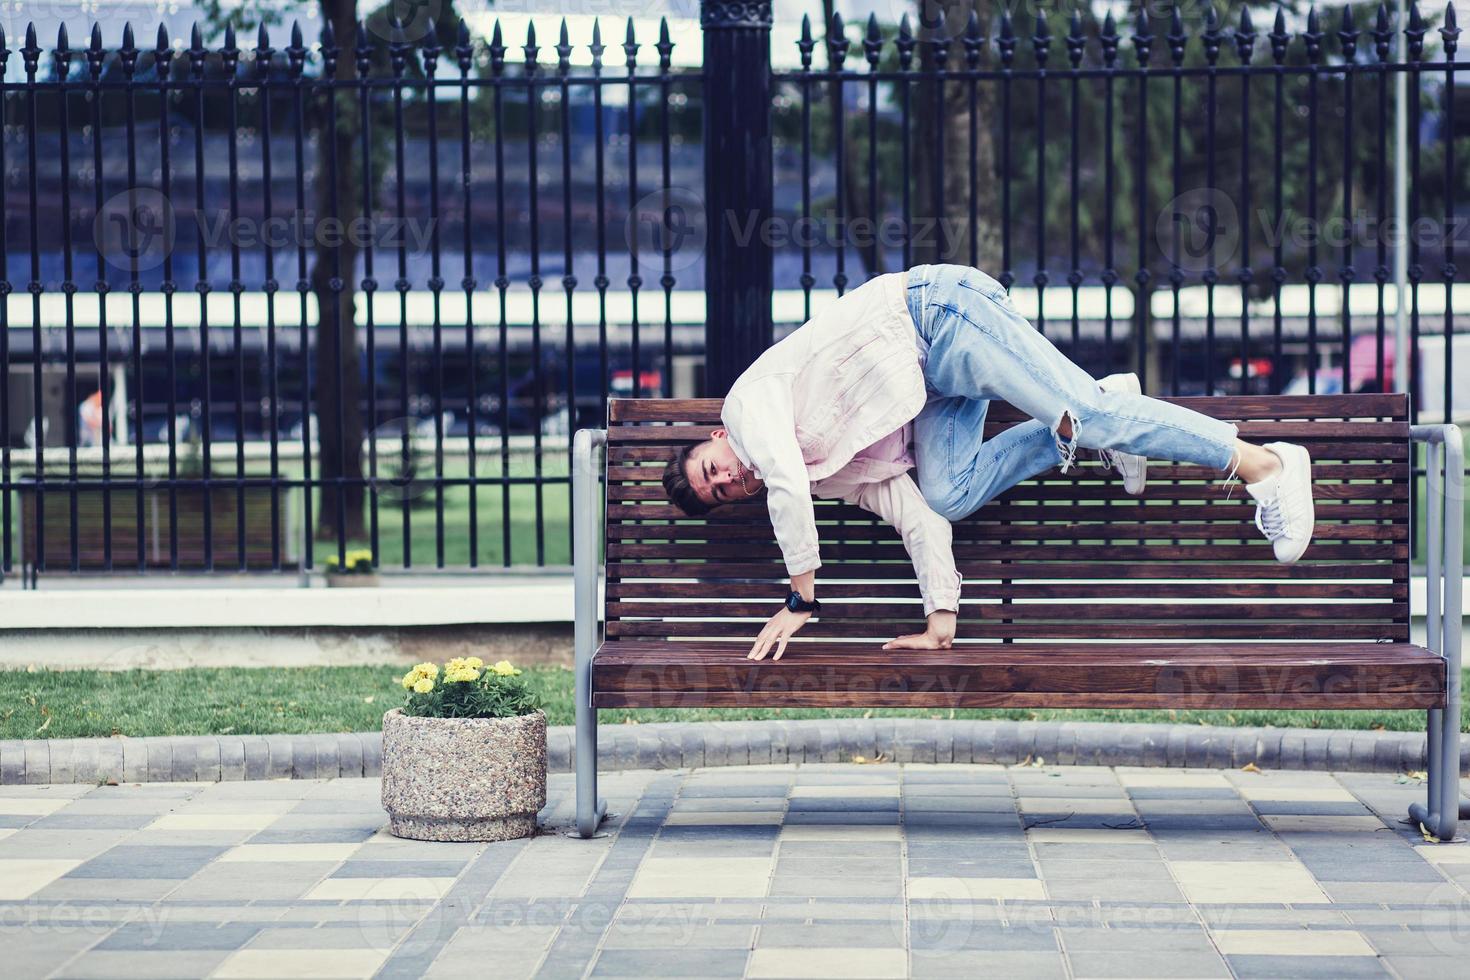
(467, 689)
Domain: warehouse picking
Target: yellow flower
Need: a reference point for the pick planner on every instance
(504, 669)
(423, 685)
(409, 679)
(428, 670)
(462, 675)
(474, 662)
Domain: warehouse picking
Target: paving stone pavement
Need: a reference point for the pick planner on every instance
(812, 870)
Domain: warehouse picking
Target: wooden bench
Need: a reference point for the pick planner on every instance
(1075, 594)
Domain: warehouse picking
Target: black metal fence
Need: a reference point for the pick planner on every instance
(263, 307)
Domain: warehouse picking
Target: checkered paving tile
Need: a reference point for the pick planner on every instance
(777, 871)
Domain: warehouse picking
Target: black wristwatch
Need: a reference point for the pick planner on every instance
(796, 603)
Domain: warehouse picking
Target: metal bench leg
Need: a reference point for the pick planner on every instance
(1445, 570)
(587, 544)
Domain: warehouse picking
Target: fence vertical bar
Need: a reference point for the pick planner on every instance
(665, 49)
(95, 58)
(436, 284)
(1041, 48)
(399, 53)
(1109, 277)
(1279, 40)
(1313, 273)
(1245, 40)
(237, 288)
(62, 67)
(6, 545)
(363, 55)
(1075, 42)
(1450, 34)
(264, 54)
(296, 58)
(1177, 40)
(599, 169)
(533, 194)
(836, 63)
(31, 55)
(1142, 45)
(463, 57)
(1209, 275)
(738, 186)
(634, 280)
(1347, 36)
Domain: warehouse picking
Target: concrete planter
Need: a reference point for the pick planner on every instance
(351, 580)
(463, 779)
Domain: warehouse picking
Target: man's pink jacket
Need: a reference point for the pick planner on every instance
(803, 412)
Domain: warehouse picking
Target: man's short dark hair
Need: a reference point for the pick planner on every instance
(678, 488)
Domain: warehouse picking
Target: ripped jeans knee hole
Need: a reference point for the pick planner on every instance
(1068, 447)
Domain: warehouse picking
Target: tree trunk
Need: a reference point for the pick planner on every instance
(943, 234)
(333, 280)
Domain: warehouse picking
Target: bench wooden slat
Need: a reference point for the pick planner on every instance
(1386, 405)
(1298, 629)
(1044, 566)
(1010, 590)
(634, 674)
(888, 609)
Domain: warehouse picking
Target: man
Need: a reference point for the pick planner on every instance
(898, 374)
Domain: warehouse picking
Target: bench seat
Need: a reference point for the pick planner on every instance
(642, 674)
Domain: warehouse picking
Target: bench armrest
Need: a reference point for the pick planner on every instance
(1445, 565)
(588, 474)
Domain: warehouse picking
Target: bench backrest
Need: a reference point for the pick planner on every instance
(1062, 557)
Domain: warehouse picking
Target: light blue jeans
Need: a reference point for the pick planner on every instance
(980, 348)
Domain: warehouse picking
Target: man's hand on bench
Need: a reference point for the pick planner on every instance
(777, 631)
(939, 635)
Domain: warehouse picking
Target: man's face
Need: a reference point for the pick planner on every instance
(715, 472)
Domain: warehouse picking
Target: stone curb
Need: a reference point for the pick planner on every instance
(677, 745)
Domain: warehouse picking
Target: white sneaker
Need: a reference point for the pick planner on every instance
(1284, 510)
(1133, 467)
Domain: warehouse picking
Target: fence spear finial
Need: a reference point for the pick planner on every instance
(1245, 36)
(904, 43)
(1279, 38)
(1075, 39)
(1347, 33)
(973, 40)
(1109, 40)
(1450, 32)
(1312, 36)
(1415, 32)
(1176, 37)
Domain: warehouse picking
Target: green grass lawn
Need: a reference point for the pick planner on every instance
(70, 704)
(491, 513)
